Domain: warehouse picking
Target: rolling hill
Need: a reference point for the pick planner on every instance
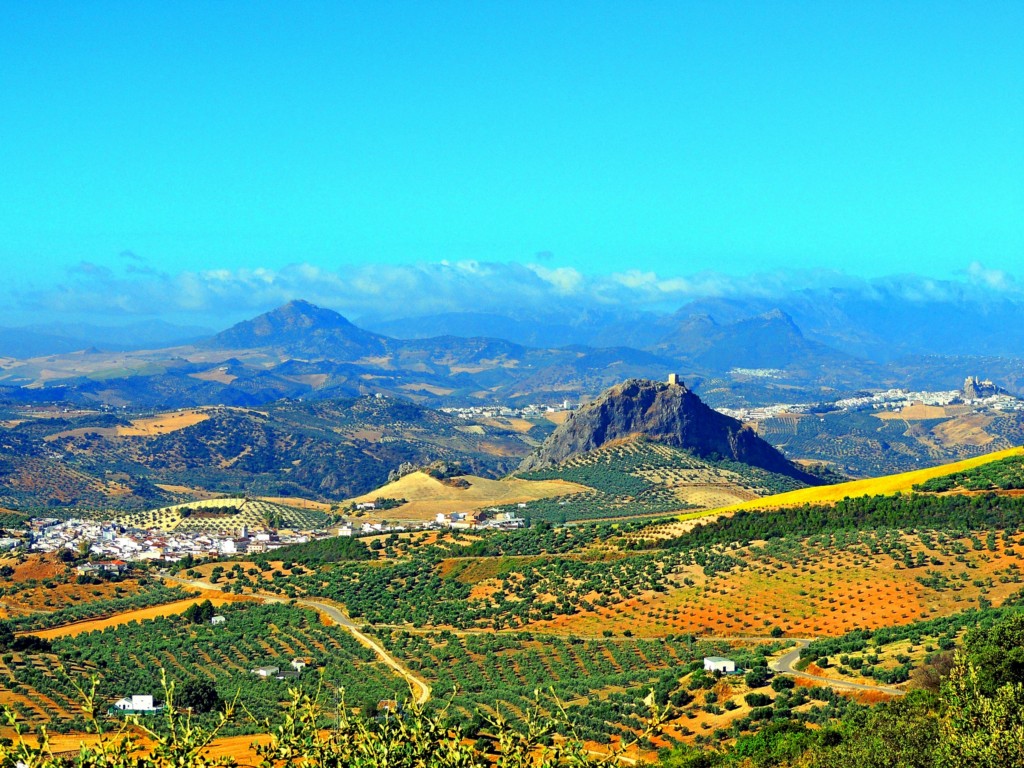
(903, 482)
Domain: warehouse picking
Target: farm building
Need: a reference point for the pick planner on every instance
(218, 619)
(136, 705)
(267, 671)
(719, 664)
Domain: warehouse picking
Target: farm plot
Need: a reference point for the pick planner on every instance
(127, 659)
(821, 585)
(642, 478)
(225, 515)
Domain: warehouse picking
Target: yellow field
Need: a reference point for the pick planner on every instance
(915, 412)
(874, 486)
(427, 496)
(142, 614)
(161, 424)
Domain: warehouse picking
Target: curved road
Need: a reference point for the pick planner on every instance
(343, 620)
(784, 666)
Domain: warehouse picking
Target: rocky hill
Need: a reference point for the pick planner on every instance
(669, 414)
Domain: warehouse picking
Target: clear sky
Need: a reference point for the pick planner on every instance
(203, 141)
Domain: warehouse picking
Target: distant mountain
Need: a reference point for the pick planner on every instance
(669, 414)
(301, 329)
(734, 355)
(64, 338)
(768, 340)
(557, 327)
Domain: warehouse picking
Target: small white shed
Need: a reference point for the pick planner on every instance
(719, 664)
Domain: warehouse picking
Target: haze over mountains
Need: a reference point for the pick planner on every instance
(731, 353)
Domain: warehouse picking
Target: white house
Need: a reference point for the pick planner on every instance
(218, 619)
(719, 664)
(299, 664)
(136, 704)
(266, 671)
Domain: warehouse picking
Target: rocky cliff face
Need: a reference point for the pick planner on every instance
(664, 413)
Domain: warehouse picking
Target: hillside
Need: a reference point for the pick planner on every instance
(669, 414)
(904, 482)
(226, 515)
(427, 495)
(325, 449)
(872, 443)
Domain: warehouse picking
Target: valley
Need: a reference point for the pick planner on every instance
(638, 537)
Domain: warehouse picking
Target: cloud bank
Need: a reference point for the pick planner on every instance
(136, 288)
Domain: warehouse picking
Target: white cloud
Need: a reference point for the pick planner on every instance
(388, 290)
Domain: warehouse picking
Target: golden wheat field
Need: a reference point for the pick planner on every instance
(903, 483)
(427, 495)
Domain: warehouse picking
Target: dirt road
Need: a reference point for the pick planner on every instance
(344, 620)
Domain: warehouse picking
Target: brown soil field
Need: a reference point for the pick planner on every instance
(427, 496)
(522, 426)
(830, 593)
(829, 494)
(298, 503)
(238, 747)
(196, 493)
(915, 412)
(168, 609)
(215, 375)
(969, 430)
(558, 417)
(62, 592)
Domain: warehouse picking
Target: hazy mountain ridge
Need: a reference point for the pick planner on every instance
(300, 350)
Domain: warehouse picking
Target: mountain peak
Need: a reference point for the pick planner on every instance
(302, 329)
(664, 413)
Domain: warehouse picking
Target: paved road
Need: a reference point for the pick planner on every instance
(784, 666)
(345, 621)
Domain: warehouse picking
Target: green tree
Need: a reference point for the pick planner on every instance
(997, 653)
(981, 731)
(198, 695)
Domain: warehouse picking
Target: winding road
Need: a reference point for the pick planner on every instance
(784, 665)
(341, 618)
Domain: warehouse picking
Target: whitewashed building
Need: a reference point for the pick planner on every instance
(719, 664)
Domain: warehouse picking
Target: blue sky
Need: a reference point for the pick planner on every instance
(240, 152)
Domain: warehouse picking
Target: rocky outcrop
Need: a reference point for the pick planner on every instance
(975, 389)
(664, 413)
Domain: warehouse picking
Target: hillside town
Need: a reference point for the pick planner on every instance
(113, 542)
(976, 394)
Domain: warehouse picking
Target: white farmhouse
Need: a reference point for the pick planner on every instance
(136, 704)
(719, 664)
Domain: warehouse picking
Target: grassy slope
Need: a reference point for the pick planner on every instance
(902, 482)
(427, 496)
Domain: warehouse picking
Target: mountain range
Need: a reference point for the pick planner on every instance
(731, 354)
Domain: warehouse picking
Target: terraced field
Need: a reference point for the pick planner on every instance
(638, 477)
(226, 516)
